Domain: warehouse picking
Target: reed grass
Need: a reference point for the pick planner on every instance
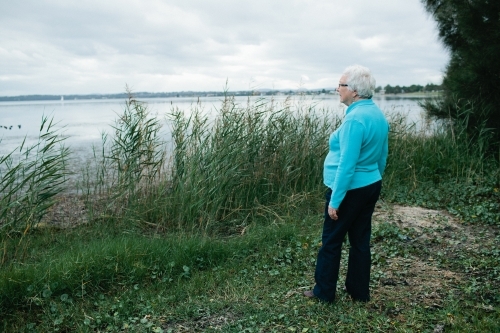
(225, 168)
(249, 157)
(30, 179)
(128, 167)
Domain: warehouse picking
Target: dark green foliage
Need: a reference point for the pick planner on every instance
(471, 32)
(443, 170)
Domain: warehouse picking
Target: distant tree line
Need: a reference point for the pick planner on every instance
(388, 89)
(268, 92)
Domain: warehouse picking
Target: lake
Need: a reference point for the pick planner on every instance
(85, 120)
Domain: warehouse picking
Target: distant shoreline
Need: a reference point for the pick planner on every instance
(413, 95)
(139, 95)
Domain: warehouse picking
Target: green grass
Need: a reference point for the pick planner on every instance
(223, 235)
(252, 282)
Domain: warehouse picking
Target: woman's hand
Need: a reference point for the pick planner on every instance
(333, 213)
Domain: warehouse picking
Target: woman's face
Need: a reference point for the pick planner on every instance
(346, 96)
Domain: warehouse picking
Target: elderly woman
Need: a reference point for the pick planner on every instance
(352, 172)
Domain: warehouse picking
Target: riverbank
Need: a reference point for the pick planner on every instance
(223, 233)
(430, 273)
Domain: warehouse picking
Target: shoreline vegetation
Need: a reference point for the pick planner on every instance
(222, 233)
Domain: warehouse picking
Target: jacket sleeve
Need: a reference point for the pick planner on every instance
(383, 156)
(350, 140)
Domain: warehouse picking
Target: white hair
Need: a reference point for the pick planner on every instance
(360, 79)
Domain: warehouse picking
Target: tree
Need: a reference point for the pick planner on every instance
(389, 89)
(413, 88)
(470, 29)
(429, 87)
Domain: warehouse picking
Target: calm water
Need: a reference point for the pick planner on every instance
(85, 120)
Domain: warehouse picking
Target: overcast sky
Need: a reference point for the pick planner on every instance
(96, 46)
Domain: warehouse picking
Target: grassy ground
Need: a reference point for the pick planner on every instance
(430, 274)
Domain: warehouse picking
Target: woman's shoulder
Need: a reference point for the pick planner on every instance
(366, 115)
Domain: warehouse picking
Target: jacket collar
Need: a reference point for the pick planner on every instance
(361, 102)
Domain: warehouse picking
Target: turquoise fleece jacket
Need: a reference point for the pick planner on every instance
(358, 150)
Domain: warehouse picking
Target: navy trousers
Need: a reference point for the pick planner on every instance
(354, 219)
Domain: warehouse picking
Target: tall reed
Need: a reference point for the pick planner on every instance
(128, 168)
(30, 179)
(238, 162)
(226, 165)
(246, 158)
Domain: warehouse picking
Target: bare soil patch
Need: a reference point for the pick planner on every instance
(417, 280)
(68, 211)
(409, 282)
(417, 218)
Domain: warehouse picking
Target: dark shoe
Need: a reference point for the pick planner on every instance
(354, 299)
(309, 294)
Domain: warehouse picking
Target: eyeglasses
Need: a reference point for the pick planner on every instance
(343, 85)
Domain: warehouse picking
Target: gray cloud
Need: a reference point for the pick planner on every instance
(62, 47)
